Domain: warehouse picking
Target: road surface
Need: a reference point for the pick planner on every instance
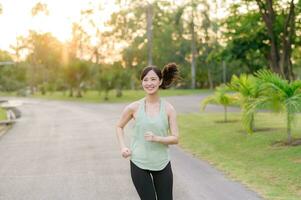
(64, 150)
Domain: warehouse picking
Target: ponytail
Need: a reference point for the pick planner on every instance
(170, 74)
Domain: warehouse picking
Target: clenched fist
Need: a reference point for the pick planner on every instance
(126, 152)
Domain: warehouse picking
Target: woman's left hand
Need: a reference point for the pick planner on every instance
(150, 136)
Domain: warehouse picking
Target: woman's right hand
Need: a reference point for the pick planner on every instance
(126, 152)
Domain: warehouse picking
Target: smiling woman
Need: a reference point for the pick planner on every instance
(155, 128)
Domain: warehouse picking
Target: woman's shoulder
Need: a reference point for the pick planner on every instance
(134, 106)
(169, 107)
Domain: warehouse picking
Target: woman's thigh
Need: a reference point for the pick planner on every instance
(143, 183)
(163, 182)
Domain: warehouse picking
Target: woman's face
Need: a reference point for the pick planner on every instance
(151, 82)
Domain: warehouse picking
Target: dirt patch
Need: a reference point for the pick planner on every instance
(268, 129)
(264, 129)
(297, 161)
(295, 142)
(228, 121)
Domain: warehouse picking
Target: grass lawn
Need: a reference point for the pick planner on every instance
(128, 95)
(258, 161)
(2, 114)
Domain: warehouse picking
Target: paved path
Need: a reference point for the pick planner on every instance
(62, 151)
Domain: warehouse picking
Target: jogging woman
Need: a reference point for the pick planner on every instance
(154, 130)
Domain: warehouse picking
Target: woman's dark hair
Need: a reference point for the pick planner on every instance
(169, 74)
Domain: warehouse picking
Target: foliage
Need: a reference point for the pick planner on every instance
(222, 97)
(278, 94)
(44, 59)
(77, 74)
(247, 88)
(113, 77)
(247, 46)
(12, 77)
(274, 34)
(178, 29)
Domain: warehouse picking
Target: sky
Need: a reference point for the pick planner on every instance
(16, 17)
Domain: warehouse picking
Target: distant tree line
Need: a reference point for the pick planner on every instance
(256, 34)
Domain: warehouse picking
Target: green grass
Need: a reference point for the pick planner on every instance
(273, 171)
(97, 97)
(2, 114)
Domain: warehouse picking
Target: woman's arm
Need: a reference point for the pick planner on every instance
(173, 126)
(126, 116)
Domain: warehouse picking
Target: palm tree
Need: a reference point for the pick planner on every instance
(247, 88)
(278, 94)
(221, 97)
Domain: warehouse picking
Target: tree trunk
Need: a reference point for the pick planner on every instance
(210, 79)
(193, 51)
(279, 57)
(149, 17)
(252, 122)
(268, 16)
(43, 89)
(71, 92)
(225, 114)
(118, 91)
(79, 93)
(288, 127)
(133, 78)
(106, 97)
(288, 33)
(224, 72)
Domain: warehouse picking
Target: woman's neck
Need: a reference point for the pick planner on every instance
(154, 98)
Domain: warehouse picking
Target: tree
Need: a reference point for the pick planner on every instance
(134, 27)
(121, 78)
(191, 8)
(149, 31)
(197, 26)
(278, 94)
(77, 74)
(12, 77)
(18, 48)
(106, 80)
(80, 38)
(280, 53)
(222, 97)
(45, 59)
(39, 8)
(279, 19)
(245, 50)
(247, 88)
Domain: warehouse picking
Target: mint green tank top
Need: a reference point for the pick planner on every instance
(150, 155)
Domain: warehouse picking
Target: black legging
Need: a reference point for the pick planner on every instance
(151, 184)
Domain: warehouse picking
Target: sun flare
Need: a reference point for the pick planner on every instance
(16, 18)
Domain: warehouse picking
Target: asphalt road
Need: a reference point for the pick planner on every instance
(62, 150)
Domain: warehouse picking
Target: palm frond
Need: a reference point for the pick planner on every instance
(293, 104)
(296, 87)
(273, 84)
(247, 111)
(221, 96)
(207, 100)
